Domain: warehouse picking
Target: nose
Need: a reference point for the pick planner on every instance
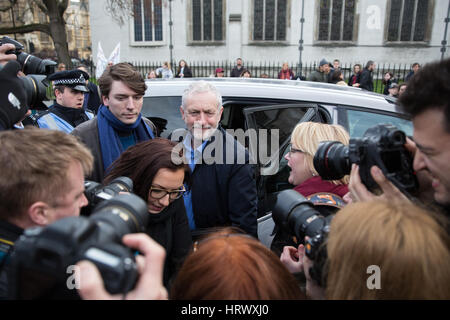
(130, 103)
(287, 156)
(419, 161)
(164, 201)
(84, 201)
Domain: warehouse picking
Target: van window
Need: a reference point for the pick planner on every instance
(360, 121)
(166, 108)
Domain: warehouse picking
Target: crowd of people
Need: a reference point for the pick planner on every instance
(200, 241)
(326, 72)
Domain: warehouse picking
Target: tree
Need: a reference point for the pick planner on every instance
(55, 26)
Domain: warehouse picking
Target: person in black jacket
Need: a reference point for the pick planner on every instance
(237, 70)
(159, 181)
(183, 70)
(366, 80)
(92, 99)
(223, 185)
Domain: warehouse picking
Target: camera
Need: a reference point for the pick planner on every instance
(96, 193)
(300, 217)
(44, 258)
(381, 145)
(30, 64)
(37, 70)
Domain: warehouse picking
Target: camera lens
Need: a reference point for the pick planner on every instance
(34, 65)
(36, 91)
(123, 214)
(296, 214)
(331, 160)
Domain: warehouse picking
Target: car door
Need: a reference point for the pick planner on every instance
(273, 125)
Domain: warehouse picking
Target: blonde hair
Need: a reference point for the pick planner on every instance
(407, 243)
(307, 136)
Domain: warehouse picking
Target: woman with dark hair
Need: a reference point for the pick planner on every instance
(338, 78)
(183, 70)
(160, 182)
(354, 78)
(387, 80)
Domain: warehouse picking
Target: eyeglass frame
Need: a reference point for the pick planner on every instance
(293, 150)
(167, 192)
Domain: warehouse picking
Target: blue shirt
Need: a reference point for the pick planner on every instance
(193, 158)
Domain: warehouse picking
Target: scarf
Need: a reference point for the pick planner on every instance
(108, 125)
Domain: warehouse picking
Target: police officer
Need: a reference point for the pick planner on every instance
(67, 112)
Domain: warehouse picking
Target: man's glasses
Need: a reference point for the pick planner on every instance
(158, 193)
(292, 150)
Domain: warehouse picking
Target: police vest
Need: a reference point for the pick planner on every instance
(51, 121)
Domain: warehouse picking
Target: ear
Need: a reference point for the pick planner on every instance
(39, 213)
(105, 100)
(182, 112)
(220, 112)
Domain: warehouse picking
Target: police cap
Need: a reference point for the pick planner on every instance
(75, 79)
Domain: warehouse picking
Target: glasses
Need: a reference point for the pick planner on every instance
(158, 193)
(292, 150)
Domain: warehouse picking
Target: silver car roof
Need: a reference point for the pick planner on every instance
(306, 91)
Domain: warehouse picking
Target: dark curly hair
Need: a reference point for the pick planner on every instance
(429, 89)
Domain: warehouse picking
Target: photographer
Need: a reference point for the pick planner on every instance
(380, 250)
(427, 100)
(42, 180)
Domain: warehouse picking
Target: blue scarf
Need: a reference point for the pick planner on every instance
(108, 125)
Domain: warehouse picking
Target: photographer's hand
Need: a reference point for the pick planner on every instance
(13, 98)
(359, 192)
(149, 285)
(292, 258)
(4, 58)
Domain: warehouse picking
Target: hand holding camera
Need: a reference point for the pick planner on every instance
(149, 285)
(5, 53)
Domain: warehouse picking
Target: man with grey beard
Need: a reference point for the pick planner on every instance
(222, 191)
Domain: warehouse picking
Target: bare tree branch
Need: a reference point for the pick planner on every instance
(26, 28)
(120, 10)
(40, 5)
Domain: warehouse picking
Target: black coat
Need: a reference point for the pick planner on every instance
(94, 99)
(366, 80)
(170, 229)
(187, 73)
(224, 194)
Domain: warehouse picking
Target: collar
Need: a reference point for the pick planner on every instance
(9, 232)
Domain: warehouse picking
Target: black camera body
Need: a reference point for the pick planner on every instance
(298, 216)
(43, 260)
(30, 64)
(381, 145)
(37, 70)
(96, 193)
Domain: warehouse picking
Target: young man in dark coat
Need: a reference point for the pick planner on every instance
(118, 124)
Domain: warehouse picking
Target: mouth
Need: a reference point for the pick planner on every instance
(155, 208)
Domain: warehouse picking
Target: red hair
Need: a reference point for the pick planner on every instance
(233, 266)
